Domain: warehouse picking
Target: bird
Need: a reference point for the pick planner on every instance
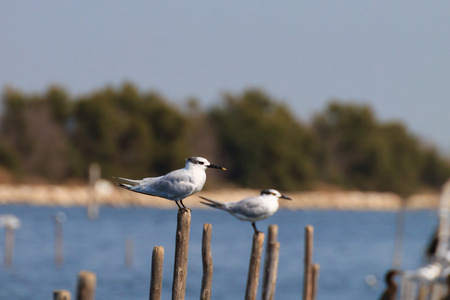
(391, 286)
(176, 185)
(250, 209)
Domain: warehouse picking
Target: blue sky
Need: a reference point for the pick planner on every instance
(392, 55)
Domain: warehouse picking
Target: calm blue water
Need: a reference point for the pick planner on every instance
(347, 245)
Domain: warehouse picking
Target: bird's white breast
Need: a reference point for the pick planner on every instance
(272, 205)
(198, 178)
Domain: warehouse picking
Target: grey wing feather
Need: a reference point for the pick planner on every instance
(250, 207)
(176, 185)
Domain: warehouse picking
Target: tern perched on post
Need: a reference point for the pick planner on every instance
(175, 185)
(250, 209)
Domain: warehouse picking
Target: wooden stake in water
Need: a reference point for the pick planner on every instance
(399, 233)
(444, 222)
(86, 285)
(10, 223)
(129, 252)
(93, 208)
(59, 220)
(157, 273)
(181, 254)
(9, 246)
(423, 292)
(61, 295)
(315, 281)
(307, 282)
(271, 264)
(407, 290)
(205, 293)
(253, 270)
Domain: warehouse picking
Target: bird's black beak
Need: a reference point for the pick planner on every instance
(285, 197)
(216, 167)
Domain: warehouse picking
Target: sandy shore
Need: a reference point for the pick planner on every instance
(105, 193)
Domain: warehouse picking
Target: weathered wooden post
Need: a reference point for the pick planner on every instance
(181, 254)
(10, 223)
(157, 273)
(315, 280)
(437, 291)
(407, 288)
(271, 264)
(93, 208)
(423, 292)
(307, 286)
(129, 252)
(86, 285)
(61, 295)
(399, 235)
(59, 220)
(9, 246)
(253, 270)
(205, 293)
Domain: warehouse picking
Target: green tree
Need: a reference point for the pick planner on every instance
(403, 159)
(435, 169)
(352, 153)
(58, 101)
(265, 145)
(33, 128)
(129, 133)
(358, 151)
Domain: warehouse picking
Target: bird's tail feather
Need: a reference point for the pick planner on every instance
(123, 186)
(126, 183)
(213, 203)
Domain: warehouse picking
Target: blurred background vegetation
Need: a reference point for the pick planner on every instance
(53, 137)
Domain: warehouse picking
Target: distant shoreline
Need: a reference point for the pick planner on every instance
(107, 194)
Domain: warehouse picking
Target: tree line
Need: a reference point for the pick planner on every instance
(53, 137)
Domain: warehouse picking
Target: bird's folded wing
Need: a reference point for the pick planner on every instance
(173, 188)
(250, 207)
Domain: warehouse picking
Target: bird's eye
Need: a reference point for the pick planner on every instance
(200, 162)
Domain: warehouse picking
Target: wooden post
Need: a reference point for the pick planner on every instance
(423, 292)
(59, 256)
(307, 288)
(315, 281)
(205, 293)
(399, 235)
(93, 208)
(59, 220)
(181, 254)
(271, 264)
(253, 270)
(437, 291)
(86, 285)
(157, 272)
(9, 246)
(129, 252)
(407, 290)
(61, 295)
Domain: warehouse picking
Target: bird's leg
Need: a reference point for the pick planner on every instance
(254, 227)
(179, 207)
(185, 209)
